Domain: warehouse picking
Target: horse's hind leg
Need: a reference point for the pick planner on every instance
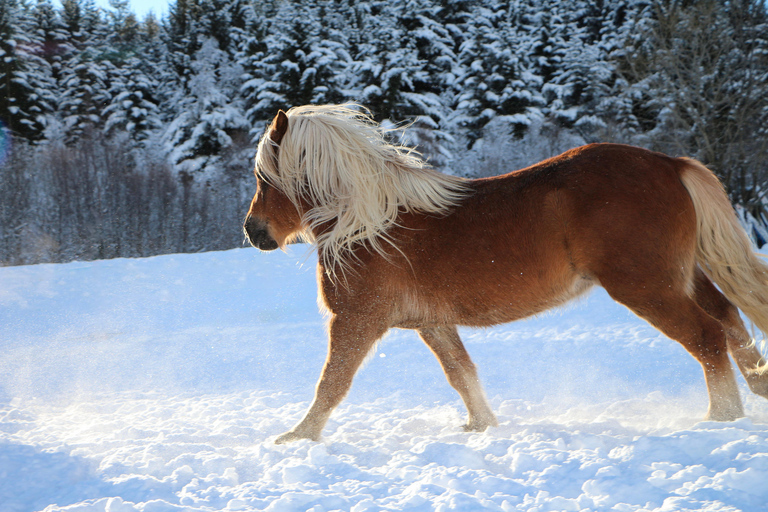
(446, 344)
(669, 308)
(742, 349)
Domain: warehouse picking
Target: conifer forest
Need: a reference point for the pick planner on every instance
(125, 137)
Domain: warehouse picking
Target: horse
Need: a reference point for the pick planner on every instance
(401, 245)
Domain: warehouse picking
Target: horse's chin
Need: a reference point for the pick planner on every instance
(267, 245)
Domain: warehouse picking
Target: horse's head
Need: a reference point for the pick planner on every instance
(328, 174)
(272, 219)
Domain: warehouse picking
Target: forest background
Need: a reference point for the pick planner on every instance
(123, 137)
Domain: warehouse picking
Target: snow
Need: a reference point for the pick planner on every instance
(159, 384)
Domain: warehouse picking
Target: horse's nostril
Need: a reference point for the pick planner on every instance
(251, 226)
(258, 236)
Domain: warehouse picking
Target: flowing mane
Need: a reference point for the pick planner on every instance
(337, 159)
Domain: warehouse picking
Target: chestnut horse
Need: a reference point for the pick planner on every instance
(401, 245)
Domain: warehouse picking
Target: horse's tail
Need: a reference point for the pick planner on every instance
(723, 249)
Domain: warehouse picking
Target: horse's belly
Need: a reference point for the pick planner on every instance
(493, 309)
(490, 304)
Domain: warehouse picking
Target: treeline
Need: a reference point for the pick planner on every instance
(128, 137)
(94, 200)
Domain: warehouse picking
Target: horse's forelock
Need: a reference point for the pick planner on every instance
(266, 161)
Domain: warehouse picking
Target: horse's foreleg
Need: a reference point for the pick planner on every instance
(461, 373)
(351, 338)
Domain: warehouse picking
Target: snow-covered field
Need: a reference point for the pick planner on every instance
(159, 384)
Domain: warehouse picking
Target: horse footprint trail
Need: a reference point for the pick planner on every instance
(138, 453)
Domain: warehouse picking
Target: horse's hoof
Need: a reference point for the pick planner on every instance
(480, 423)
(730, 414)
(757, 380)
(475, 427)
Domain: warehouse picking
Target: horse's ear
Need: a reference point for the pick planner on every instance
(278, 127)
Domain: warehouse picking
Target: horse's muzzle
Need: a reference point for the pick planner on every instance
(257, 234)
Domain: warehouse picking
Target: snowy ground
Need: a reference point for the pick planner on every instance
(159, 384)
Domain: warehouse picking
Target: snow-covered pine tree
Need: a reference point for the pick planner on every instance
(584, 76)
(544, 26)
(434, 47)
(85, 76)
(181, 36)
(393, 80)
(207, 117)
(218, 19)
(252, 50)
(124, 28)
(207, 123)
(454, 16)
(433, 85)
(24, 76)
(305, 62)
(133, 108)
(497, 79)
(52, 41)
(329, 60)
(626, 108)
(85, 95)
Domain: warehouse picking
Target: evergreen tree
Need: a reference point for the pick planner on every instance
(24, 77)
(206, 76)
(86, 72)
(209, 123)
(300, 67)
(584, 76)
(85, 95)
(544, 25)
(497, 80)
(133, 108)
(252, 52)
(214, 19)
(52, 35)
(124, 29)
(390, 74)
(434, 45)
(454, 16)
(181, 36)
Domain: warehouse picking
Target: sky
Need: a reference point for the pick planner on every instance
(142, 7)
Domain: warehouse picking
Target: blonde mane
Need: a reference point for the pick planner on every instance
(337, 159)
